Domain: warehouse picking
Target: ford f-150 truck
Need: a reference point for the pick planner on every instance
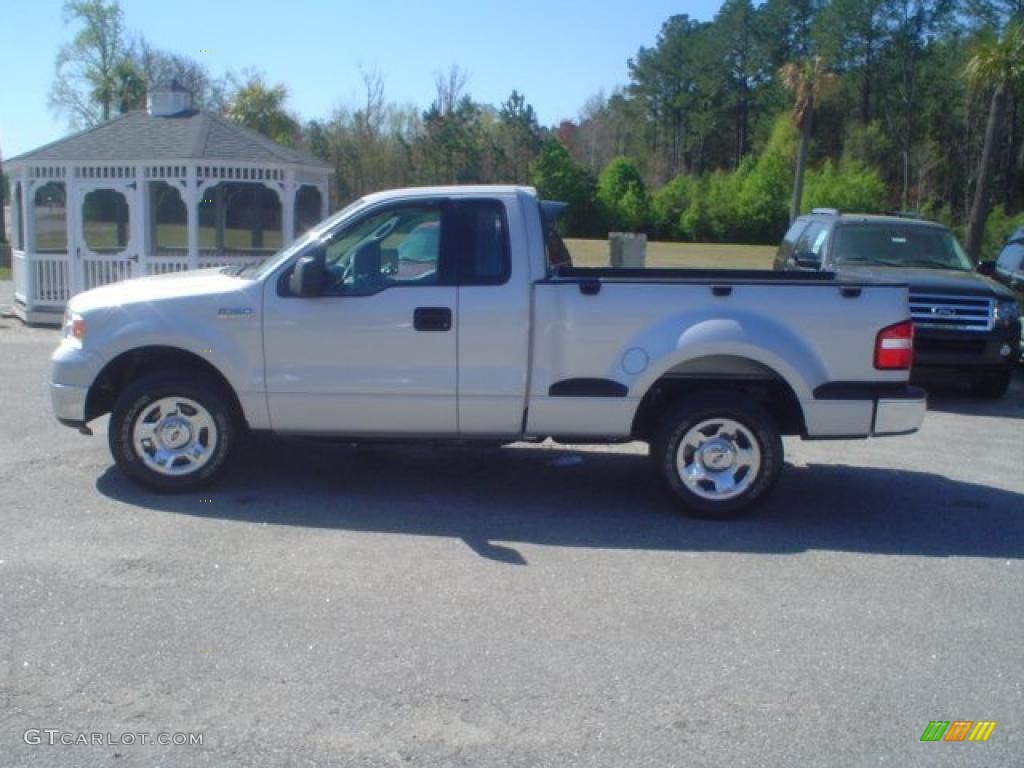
(456, 313)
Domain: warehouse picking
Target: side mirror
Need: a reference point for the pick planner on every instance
(806, 260)
(987, 268)
(308, 275)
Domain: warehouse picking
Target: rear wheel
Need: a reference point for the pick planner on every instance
(993, 385)
(172, 431)
(718, 453)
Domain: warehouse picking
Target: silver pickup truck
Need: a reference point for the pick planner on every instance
(456, 313)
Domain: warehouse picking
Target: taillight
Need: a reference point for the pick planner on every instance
(894, 347)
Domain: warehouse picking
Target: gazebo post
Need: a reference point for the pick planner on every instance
(220, 214)
(140, 223)
(287, 195)
(28, 228)
(28, 204)
(71, 227)
(191, 200)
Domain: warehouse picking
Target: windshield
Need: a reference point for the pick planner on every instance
(896, 245)
(258, 269)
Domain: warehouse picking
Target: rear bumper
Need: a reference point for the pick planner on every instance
(864, 409)
(900, 416)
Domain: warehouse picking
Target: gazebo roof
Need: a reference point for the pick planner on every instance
(139, 137)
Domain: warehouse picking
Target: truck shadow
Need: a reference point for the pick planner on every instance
(590, 498)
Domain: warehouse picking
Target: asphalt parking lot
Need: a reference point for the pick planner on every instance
(518, 606)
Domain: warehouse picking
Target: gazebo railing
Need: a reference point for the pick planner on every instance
(45, 281)
(42, 279)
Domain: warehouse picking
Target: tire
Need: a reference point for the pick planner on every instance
(172, 431)
(992, 386)
(727, 429)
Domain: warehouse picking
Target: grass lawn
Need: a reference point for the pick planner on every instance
(5, 273)
(594, 253)
(104, 235)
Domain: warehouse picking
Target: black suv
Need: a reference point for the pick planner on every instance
(965, 323)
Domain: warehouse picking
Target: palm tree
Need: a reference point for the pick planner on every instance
(809, 83)
(997, 65)
(261, 107)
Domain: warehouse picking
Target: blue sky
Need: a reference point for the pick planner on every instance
(557, 52)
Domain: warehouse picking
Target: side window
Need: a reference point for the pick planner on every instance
(396, 246)
(789, 239)
(809, 245)
(483, 248)
(1011, 259)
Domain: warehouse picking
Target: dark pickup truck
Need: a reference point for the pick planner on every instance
(965, 324)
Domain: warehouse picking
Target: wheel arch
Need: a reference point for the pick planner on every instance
(130, 364)
(710, 373)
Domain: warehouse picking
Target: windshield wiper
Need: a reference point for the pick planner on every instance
(237, 270)
(929, 263)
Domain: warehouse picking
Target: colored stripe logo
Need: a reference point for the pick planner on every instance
(958, 730)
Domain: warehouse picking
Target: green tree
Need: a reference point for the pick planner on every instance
(997, 66)
(449, 148)
(808, 82)
(623, 194)
(667, 81)
(849, 186)
(519, 136)
(130, 84)
(852, 35)
(742, 49)
(261, 107)
(670, 202)
(90, 75)
(713, 215)
(161, 67)
(558, 177)
(761, 201)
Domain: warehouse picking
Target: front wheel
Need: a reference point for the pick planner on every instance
(992, 385)
(718, 453)
(172, 431)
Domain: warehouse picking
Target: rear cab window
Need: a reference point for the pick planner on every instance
(482, 249)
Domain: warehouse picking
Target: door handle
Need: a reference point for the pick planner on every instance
(432, 319)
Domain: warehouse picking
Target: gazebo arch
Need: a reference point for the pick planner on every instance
(137, 191)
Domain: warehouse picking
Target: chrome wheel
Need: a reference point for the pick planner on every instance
(718, 459)
(174, 436)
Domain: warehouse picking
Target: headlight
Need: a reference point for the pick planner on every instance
(1007, 312)
(74, 328)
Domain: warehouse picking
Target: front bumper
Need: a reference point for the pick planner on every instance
(68, 403)
(72, 372)
(938, 349)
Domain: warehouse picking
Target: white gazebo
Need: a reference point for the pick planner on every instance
(151, 192)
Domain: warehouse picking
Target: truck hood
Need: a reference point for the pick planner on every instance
(177, 285)
(950, 281)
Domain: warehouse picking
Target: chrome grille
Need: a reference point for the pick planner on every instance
(957, 313)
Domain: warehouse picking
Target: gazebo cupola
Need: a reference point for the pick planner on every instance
(145, 193)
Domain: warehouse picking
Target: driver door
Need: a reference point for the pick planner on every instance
(376, 353)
